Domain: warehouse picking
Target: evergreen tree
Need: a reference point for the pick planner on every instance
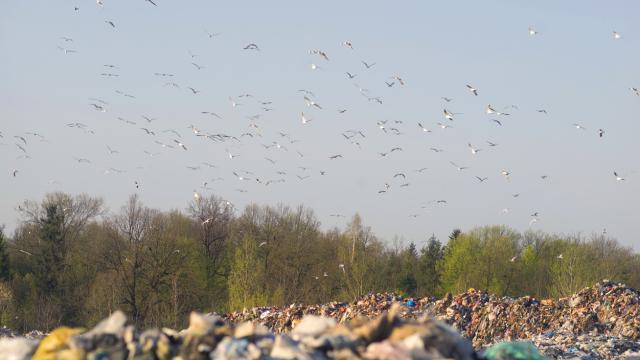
(4, 258)
(428, 270)
(408, 283)
(50, 260)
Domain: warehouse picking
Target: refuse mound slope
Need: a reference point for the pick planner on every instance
(599, 322)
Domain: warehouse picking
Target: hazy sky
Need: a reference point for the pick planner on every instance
(573, 68)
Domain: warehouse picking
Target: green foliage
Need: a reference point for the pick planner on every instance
(246, 278)
(64, 264)
(5, 267)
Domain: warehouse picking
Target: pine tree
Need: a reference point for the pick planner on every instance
(5, 269)
(428, 267)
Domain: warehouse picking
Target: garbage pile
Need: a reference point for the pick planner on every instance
(599, 322)
(209, 337)
(605, 309)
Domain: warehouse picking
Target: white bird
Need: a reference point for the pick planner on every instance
(459, 168)
(533, 221)
(180, 144)
(618, 177)
(473, 150)
(14, 172)
(196, 196)
(262, 244)
(560, 257)
(473, 90)
(532, 31)
(491, 110)
(579, 127)
(616, 35)
(513, 259)
(304, 119)
(350, 46)
(424, 129)
(341, 266)
(448, 115)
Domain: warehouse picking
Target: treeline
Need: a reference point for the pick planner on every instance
(71, 262)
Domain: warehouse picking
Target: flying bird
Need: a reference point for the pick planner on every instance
(532, 31)
(368, 65)
(618, 177)
(473, 90)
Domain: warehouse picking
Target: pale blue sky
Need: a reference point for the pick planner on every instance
(573, 68)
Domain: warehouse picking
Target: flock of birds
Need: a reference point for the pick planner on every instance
(283, 140)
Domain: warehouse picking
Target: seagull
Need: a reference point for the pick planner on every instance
(400, 174)
(473, 90)
(390, 84)
(367, 65)
(149, 132)
(444, 126)
(149, 120)
(194, 91)
(543, 111)
(447, 99)
(180, 144)
(310, 102)
(99, 3)
(251, 46)
(21, 138)
(448, 115)
(436, 150)
(473, 150)
(560, 257)
(350, 75)
(111, 151)
(460, 168)
(82, 160)
(420, 170)
(481, 179)
(399, 79)
(14, 172)
(636, 91)
(532, 31)
(491, 144)
(579, 127)
(616, 35)
(304, 119)
(199, 67)
(491, 110)
(151, 1)
(600, 132)
(505, 173)
(211, 35)
(424, 129)
(335, 156)
(110, 23)
(497, 122)
(231, 156)
(262, 244)
(350, 46)
(618, 177)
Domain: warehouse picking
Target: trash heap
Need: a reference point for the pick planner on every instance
(209, 337)
(600, 322)
(607, 309)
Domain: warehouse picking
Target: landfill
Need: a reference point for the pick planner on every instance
(599, 322)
